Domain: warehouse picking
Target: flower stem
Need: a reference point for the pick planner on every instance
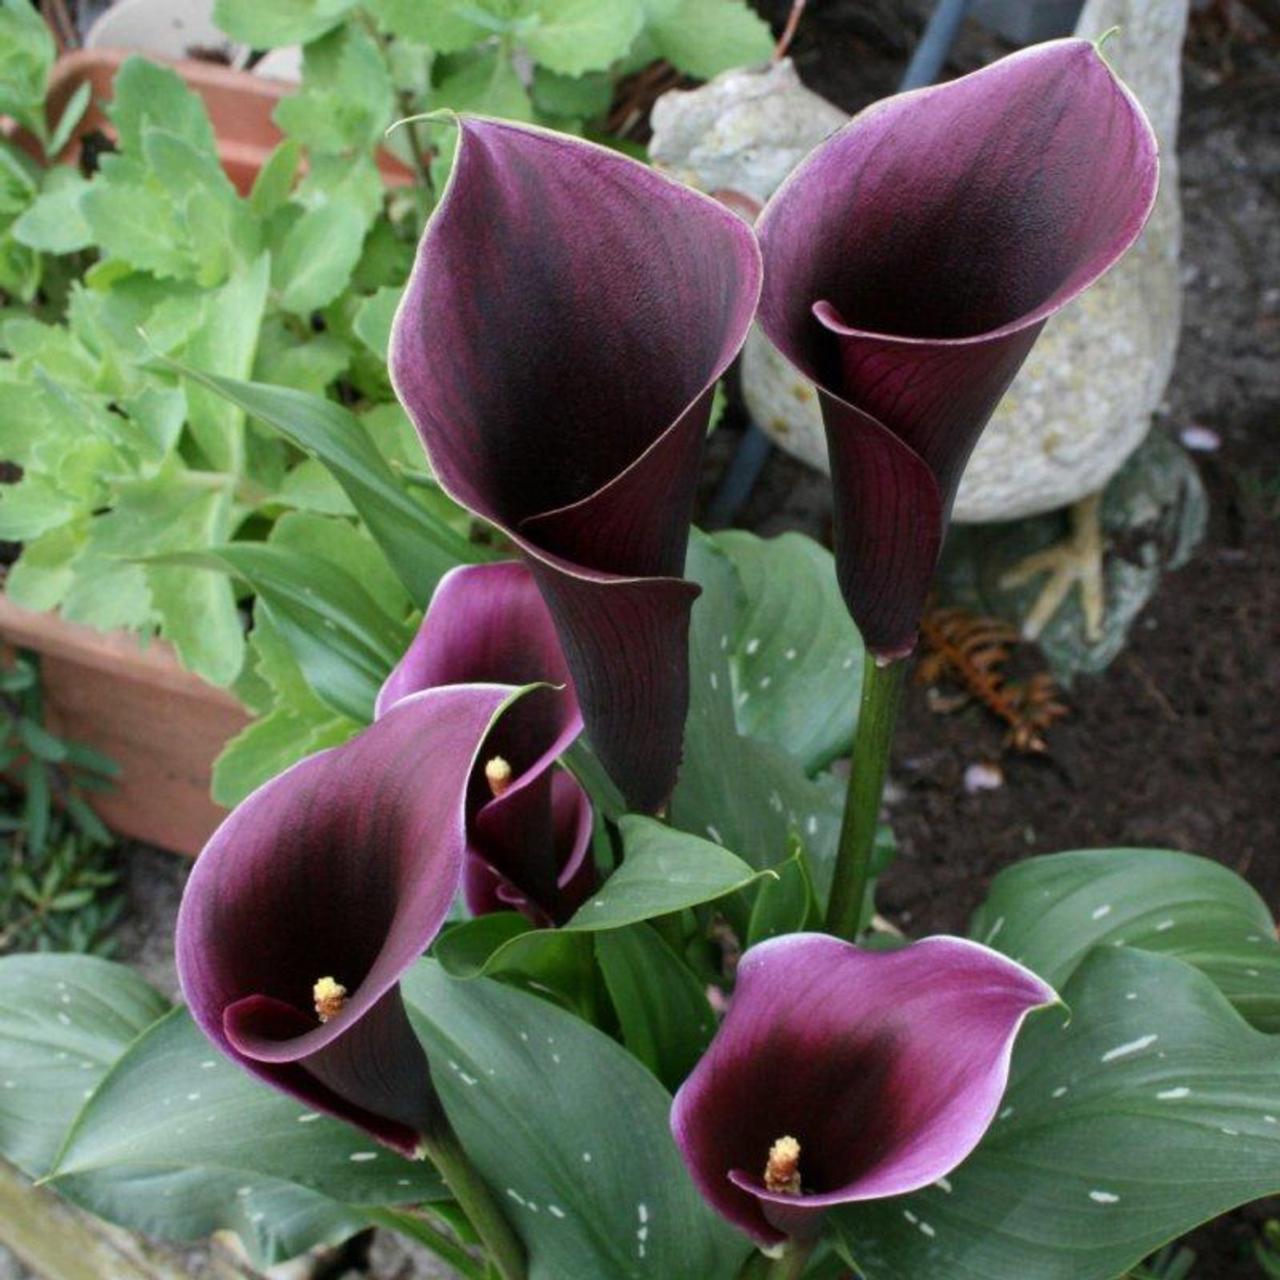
(881, 695)
(794, 1259)
(477, 1202)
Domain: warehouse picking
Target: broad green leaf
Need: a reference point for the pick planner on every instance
(420, 547)
(318, 256)
(26, 56)
(266, 26)
(146, 93)
(662, 1008)
(106, 593)
(346, 101)
(573, 36)
(64, 1020)
(757, 822)
(178, 1142)
(663, 871)
(571, 1132)
(308, 364)
(310, 486)
(54, 223)
(486, 83)
(785, 904)
(341, 543)
(1050, 912)
(372, 323)
(41, 575)
(32, 507)
(344, 643)
(705, 37)
(72, 114)
(275, 179)
(137, 225)
(1152, 1108)
(796, 656)
(198, 612)
(270, 745)
(448, 26)
(584, 97)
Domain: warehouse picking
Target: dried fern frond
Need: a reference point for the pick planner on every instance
(973, 649)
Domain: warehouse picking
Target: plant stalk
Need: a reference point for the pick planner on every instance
(795, 1257)
(877, 715)
(477, 1202)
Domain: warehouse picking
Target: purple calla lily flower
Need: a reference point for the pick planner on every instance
(557, 346)
(529, 824)
(318, 892)
(841, 1074)
(910, 263)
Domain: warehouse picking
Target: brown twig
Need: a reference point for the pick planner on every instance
(789, 31)
(973, 650)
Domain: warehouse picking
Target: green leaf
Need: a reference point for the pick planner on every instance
(346, 101)
(54, 223)
(662, 871)
(705, 37)
(344, 643)
(266, 26)
(448, 26)
(26, 56)
(666, 1019)
(585, 97)
(318, 256)
(486, 83)
(270, 745)
(785, 904)
(757, 822)
(146, 93)
(41, 575)
(63, 1021)
(372, 324)
(588, 1172)
(178, 1142)
(1050, 912)
(796, 656)
(573, 36)
(1152, 1109)
(137, 225)
(71, 116)
(275, 179)
(420, 547)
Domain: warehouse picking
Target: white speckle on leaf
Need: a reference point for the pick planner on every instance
(359, 1157)
(790, 655)
(944, 1185)
(714, 834)
(910, 1217)
(208, 1064)
(642, 1211)
(586, 1157)
(753, 646)
(1130, 995)
(1099, 912)
(1164, 925)
(555, 1211)
(1133, 1046)
(1060, 1091)
(927, 1230)
(715, 680)
(1172, 1095)
(193, 1097)
(1104, 1197)
(308, 1116)
(1006, 1113)
(765, 681)
(994, 931)
(811, 826)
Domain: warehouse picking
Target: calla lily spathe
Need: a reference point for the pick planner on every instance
(557, 347)
(841, 1074)
(316, 894)
(529, 834)
(910, 263)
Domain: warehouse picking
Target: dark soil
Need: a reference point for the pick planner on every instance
(1177, 745)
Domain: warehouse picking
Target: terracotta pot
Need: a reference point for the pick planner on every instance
(239, 105)
(162, 725)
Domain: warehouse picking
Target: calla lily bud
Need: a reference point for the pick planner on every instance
(529, 822)
(841, 1074)
(910, 263)
(557, 347)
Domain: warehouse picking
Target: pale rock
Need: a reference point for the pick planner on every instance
(744, 131)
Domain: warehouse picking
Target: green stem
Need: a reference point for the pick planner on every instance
(881, 695)
(795, 1257)
(477, 1202)
(416, 1228)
